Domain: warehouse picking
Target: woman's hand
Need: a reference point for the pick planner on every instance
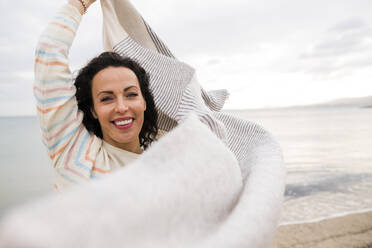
(88, 2)
(81, 5)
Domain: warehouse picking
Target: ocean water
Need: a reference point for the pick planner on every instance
(327, 152)
(25, 173)
(328, 155)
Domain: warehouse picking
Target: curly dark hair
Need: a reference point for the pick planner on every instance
(83, 83)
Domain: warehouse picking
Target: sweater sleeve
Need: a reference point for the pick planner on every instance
(63, 133)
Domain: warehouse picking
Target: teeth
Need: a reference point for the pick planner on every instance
(121, 123)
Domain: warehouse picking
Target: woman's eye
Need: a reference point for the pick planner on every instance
(104, 99)
(132, 95)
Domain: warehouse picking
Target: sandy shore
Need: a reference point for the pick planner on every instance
(354, 230)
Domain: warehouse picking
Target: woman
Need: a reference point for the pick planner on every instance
(98, 123)
(113, 93)
(194, 191)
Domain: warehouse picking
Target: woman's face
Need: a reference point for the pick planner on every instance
(119, 106)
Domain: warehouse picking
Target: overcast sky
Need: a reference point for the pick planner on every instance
(267, 53)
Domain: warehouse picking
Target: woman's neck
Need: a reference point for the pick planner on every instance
(130, 147)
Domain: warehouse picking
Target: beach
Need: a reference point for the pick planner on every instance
(349, 231)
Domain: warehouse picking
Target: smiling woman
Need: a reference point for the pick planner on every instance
(113, 93)
(106, 117)
(102, 120)
(119, 107)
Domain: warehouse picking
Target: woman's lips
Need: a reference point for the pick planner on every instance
(123, 123)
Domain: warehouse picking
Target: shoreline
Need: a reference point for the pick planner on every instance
(325, 218)
(345, 231)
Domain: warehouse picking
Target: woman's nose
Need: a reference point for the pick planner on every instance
(121, 106)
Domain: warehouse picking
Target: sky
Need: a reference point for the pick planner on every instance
(267, 53)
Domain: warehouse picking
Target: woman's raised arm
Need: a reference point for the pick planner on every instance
(54, 90)
(81, 5)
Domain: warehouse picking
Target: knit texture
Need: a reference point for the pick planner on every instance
(175, 200)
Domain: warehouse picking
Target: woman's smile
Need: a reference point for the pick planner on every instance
(123, 123)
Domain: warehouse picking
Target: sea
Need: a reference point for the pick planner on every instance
(327, 152)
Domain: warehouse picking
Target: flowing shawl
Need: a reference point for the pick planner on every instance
(213, 181)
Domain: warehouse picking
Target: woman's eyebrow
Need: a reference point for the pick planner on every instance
(111, 92)
(105, 92)
(129, 87)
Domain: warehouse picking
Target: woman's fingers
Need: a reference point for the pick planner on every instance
(89, 2)
(81, 5)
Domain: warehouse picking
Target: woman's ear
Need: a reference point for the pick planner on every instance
(93, 113)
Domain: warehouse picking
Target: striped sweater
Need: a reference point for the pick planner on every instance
(72, 149)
